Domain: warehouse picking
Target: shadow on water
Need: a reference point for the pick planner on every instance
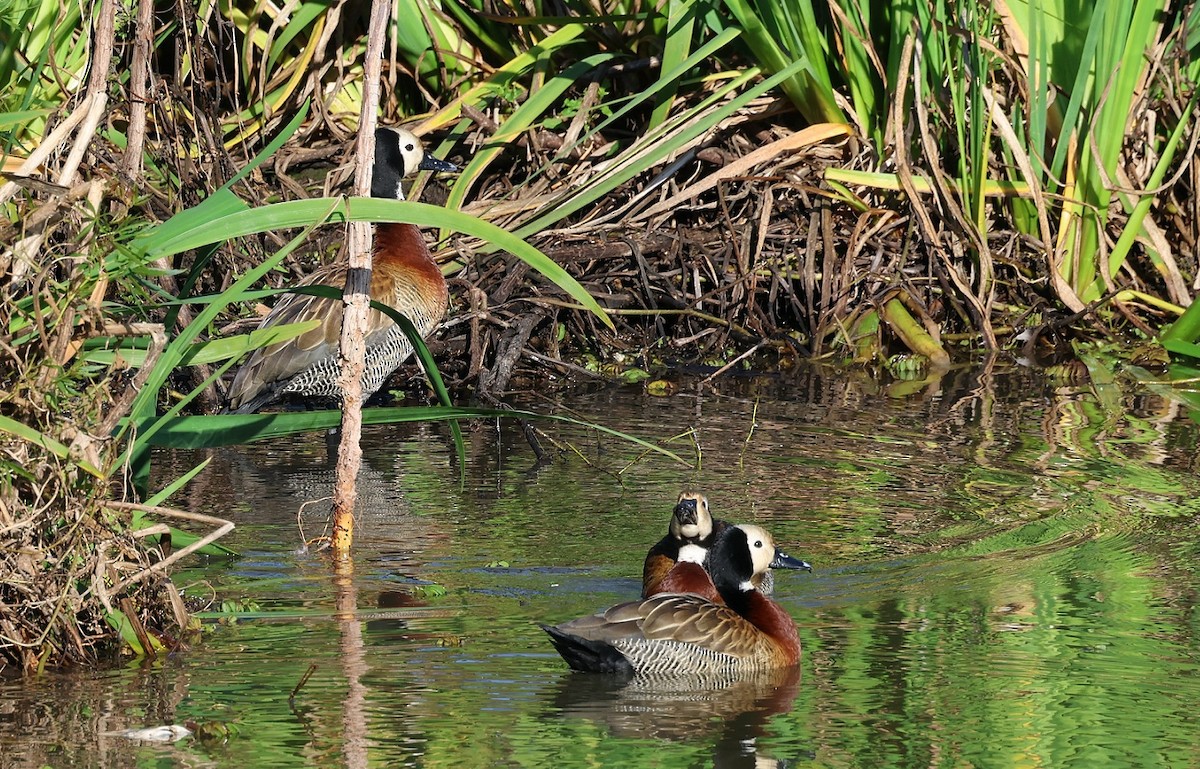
(1004, 575)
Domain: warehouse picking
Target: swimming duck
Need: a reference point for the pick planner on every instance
(691, 528)
(675, 564)
(404, 276)
(673, 634)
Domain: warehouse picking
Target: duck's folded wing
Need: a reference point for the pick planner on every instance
(692, 619)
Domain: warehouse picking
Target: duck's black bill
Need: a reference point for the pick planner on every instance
(685, 512)
(785, 561)
(430, 163)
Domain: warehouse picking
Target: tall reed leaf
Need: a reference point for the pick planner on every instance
(535, 108)
(228, 429)
(655, 148)
(795, 48)
(297, 213)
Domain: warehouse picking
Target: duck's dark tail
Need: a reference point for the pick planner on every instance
(587, 655)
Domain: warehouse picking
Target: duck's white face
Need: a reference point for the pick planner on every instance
(762, 547)
(411, 150)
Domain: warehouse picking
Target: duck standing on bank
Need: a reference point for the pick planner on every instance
(404, 276)
(674, 634)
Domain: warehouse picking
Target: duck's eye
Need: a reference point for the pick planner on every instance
(758, 543)
(409, 148)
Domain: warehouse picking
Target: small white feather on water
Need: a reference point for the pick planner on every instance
(170, 733)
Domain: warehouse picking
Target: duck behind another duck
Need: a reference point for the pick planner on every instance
(690, 530)
(676, 563)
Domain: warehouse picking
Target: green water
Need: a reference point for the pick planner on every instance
(1004, 578)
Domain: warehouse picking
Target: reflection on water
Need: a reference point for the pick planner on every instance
(731, 717)
(1004, 576)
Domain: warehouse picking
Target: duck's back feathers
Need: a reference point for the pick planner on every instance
(658, 564)
(687, 577)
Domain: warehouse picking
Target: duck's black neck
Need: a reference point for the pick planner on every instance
(389, 169)
(731, 567)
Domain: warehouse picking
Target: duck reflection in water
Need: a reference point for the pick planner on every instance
(730, 715)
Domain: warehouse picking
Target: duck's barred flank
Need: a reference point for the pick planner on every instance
(669, 659)
(382, 358)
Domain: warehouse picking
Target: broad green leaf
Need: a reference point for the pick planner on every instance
(298, 213)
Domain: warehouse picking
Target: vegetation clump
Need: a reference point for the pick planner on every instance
(78, 575)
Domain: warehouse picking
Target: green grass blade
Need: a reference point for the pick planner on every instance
(533, 109)
(1133, 227)
(681, 20)
(165, 493)
(203, 353)
(119, 622)
(213, 430)
(507, 75)
(706, 52)
(498, 37)
(180, 538)
(702, 118)
(8, 119)
(221, 203)
(143, 406)
(299, 24)
(806, 85)
(58, 449)
(301, 212)
(1181, 347)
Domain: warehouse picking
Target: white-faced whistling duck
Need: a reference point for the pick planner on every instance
(676, 563)
(672, 635)
(691, 524)
(404, 276)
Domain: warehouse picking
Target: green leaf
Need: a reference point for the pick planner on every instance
(215, 351)
(221, 203)
(36, 437)
(210, 430)
(17, 118)
(144, 404)
(119, 622)
(522, 117)
(654, 149)
(1180, 347)
(297, 213)
(167, 491)
(681, 19)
